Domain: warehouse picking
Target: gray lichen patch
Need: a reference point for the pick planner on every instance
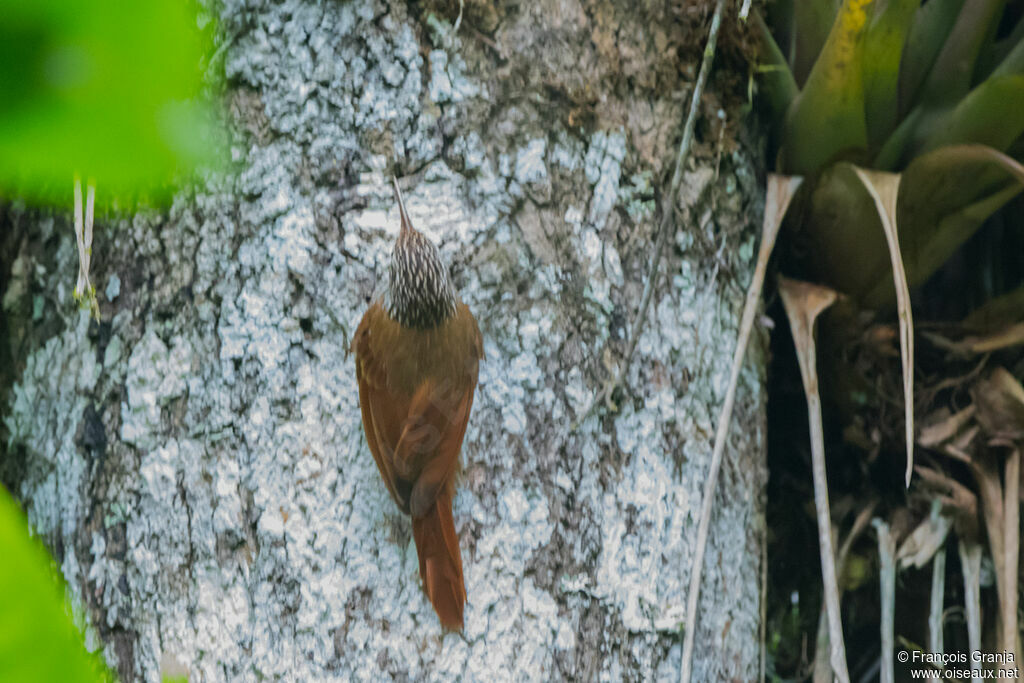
(236, 523)
(156, 376)
(42, 416)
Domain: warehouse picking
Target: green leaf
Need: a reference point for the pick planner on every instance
(38, 641)
(998, 53)
(992, 114)
(932, 24)
(1013, 61)
(997, 313)
(104, 89)
(883, 47)
(950, 76)
(895, 149)
(827, 118)
(812, 21)
(776, 80)
(779, 16)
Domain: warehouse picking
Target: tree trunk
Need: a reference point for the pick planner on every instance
(196, 461)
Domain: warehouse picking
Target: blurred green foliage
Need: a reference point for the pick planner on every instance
(107, 89)
(38, 641)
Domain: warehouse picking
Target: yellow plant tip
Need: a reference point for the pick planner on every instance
(827, 117)
(847, 34)
(884, 189)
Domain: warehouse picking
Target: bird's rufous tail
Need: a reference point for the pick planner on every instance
(440, 561)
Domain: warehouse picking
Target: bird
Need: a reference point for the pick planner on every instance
(417, 355)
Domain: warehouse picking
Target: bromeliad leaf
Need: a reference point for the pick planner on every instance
(950, 75)
(945, 197)
(804, 302)
(992, 114)
(842, 231)
(827, 117)
(1007, 54)
(944, 111)
(884, 190)
(777, 81)
(997, 313)
(928, 32)
(812, 22)
(886, 35)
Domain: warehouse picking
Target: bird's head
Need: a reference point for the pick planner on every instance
(419, 292)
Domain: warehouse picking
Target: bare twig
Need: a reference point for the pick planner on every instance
(803, 303)
(935, 610)
(1000, 402)
(822, 668)
(822, 672)
(458, 20)
(887, 578)
(927, 538)
(934, 435)
(970, 567)
(668, 204)
(1011, 549)
(986, 476)
(777, 198)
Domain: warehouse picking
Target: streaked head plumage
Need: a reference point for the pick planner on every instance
(419, 292)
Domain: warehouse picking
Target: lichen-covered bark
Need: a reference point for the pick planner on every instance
(196, 460)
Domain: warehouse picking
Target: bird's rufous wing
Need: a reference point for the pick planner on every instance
(383, 415)
(427, 453)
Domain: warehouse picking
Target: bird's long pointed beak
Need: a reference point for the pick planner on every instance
(406, 223)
